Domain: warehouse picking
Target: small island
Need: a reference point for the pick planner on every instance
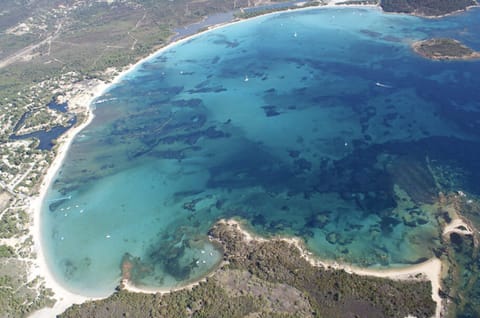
(444, 49)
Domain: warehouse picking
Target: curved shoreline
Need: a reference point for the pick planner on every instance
(65, 298)
(430, 270)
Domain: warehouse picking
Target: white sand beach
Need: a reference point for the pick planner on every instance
(83, 99)
(431, 268)
(63, 296)
(127, 285)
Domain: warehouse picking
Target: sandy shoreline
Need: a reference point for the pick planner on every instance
(65, 298)
(84, 99)
(127, 285)
(430, 270)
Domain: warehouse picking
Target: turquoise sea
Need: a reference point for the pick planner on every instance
(319, 123)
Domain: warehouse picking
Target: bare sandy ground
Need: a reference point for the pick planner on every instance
(457, 226)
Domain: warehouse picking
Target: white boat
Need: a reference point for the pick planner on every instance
(383, 85)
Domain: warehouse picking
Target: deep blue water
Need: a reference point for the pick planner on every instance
(46, 138)
(317, 123)
(61, 107)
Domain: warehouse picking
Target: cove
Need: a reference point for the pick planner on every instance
(318, 123)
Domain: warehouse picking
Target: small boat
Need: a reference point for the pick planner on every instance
(383, 85)
(295, 34)
(246, 78)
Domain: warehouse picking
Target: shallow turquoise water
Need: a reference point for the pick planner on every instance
(319, 123)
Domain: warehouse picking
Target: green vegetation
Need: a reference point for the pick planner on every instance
(426, 7)
(270, 279)
(18, 296)
(6, 251)
(58, 49)
(461, 286)
(330, 292)
(60, 46)
(13, 223)
(246, 14)
(206, 300)
(444, 49)
(52, 48)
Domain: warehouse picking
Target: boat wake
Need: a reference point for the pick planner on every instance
(383, 85)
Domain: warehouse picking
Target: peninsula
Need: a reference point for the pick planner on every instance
(276, 278)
